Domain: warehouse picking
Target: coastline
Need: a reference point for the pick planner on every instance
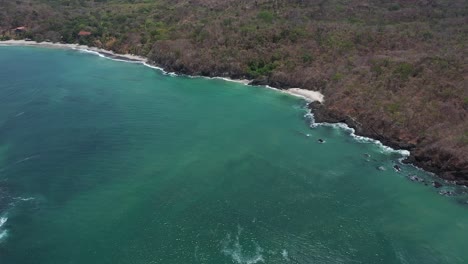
(105, 53)
(413, 154)
(314, 100)
(310, 96)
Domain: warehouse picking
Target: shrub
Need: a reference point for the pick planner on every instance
(377, 66)
(294, 34)
(393, 108)
(394, 7)
(276, 56)
(337, 76)
(258, 68)
(265, 16)
(227, 22)
(427, 35)
(377, 69)
(307, 58)
(339, 43)
(404, 70)
(355, 20)
(464, 138)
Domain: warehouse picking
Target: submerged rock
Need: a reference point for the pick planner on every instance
(437, 160)
(415, 178)
(462, 201)
(447, 193)
(436, 184)
(381, 168)
(321, 140)
(397, 168)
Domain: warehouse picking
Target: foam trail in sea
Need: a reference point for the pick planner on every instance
(3, 235)
(24, 199)
(3, 221)
(3, 232)
(352, 133)
(285, 254)
(233, 249)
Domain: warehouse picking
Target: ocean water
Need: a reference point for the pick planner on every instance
(112, 162)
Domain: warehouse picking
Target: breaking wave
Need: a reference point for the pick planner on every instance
(92, 52)
(352, 133)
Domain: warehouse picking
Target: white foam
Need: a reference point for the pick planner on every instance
(144, 63)
(243, 81)
(153, 67)
(24, 199)
(285, 254)
(97, 53)
(234, 250)
(297, 92)
(308, 95)
(27, 158)
(3, 235)
(302, 93)
(361, 139)
(3, 221)
(90, 52)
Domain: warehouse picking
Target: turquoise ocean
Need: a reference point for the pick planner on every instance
(104, 161)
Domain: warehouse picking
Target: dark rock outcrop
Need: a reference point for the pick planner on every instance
(431, 159)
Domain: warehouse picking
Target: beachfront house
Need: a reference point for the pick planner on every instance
(19, 29)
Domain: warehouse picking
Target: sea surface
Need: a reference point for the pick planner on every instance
(112, 162)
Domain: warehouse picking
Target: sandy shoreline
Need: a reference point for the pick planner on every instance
(107, 53)
(308, 95)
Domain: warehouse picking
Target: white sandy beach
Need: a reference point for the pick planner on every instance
(308, 95)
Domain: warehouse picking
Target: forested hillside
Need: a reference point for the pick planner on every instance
(395, 70)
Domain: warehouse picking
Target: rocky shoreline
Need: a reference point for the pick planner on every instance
(431, 161)
(434, 161)
(418, 155)
(310, 96)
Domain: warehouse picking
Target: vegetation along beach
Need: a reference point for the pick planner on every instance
(236, 131)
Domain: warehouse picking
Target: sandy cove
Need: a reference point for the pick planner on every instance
(308, 95)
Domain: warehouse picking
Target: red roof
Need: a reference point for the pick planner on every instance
(84, 33)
